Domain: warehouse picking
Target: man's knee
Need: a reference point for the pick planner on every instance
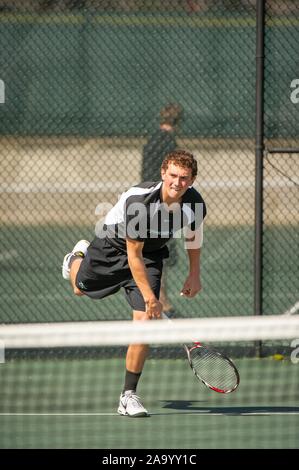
(77, 291)
(73, 275)
(139, 315)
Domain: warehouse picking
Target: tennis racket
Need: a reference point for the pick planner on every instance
(215, 370)
(211, 367)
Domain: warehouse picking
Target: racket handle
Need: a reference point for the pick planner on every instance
(165, 317)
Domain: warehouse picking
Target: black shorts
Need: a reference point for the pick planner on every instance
(105, 270)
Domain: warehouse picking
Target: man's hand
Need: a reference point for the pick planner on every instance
(191, 287)
(153, 308)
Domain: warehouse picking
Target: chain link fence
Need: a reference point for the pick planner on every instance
(281, 163)
(83, 86)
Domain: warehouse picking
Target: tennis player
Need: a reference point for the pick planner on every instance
(129, 250)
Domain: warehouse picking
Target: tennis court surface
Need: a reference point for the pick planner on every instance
(68, 397)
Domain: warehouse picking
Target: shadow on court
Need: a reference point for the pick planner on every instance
(194, 407)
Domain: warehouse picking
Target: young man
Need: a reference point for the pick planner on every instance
(129, 251)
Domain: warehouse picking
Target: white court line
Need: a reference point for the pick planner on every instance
(210, 295)
(195, 412)
(59, 414)
(37, 296)
(265, 413)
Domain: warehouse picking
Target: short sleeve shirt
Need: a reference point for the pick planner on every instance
(141, 215)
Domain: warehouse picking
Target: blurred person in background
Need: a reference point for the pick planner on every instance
(159, 144)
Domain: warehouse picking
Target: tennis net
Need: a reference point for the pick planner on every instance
(60, 385)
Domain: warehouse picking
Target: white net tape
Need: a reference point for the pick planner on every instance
(106, 333)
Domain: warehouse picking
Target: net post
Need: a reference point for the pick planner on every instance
(259, 155)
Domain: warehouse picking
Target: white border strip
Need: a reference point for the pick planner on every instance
(105, 333)
(115, 186)
(169, 413)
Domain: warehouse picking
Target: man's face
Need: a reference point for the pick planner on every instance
(176, 181)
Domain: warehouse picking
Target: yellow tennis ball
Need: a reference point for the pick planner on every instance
(278, 357)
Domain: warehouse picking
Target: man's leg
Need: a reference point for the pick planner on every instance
(75, 265)
(136, 355)
(71, 264)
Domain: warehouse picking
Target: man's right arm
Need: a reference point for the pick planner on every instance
(139, 273)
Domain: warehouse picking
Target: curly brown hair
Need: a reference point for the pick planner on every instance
(181, 158)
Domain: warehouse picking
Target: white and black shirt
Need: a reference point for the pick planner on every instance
(140, 214)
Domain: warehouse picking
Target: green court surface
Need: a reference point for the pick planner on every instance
(72, 404)
(32, 289)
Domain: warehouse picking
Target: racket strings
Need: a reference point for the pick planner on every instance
(213, 369)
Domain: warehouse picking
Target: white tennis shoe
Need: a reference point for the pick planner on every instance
(130, 405)
(79, 249)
